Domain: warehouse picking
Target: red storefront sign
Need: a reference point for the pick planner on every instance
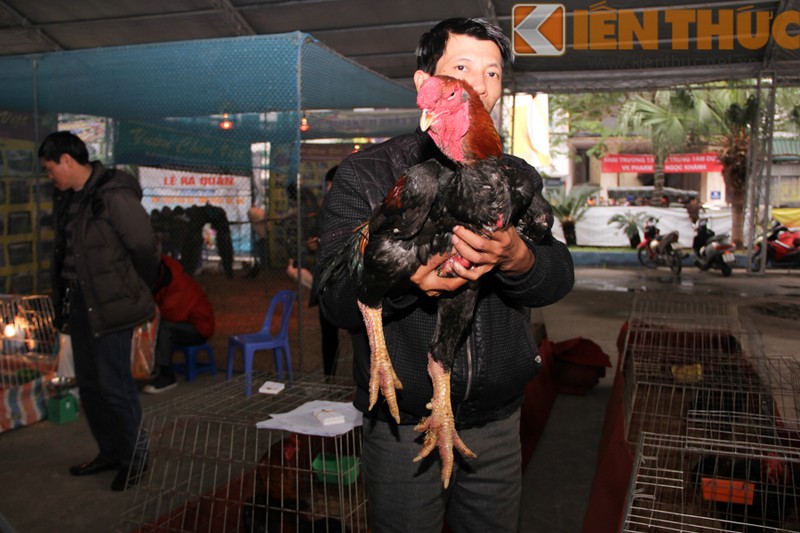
(629, 163)
(706, 162)
(676, 163)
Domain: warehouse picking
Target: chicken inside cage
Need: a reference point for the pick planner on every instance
(702, 485)
(287, 497)
(749, 493)
(210, 468)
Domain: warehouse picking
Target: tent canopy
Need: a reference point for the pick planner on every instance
(382, 35)
(259, 74)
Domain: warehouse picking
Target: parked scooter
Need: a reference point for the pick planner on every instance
(712, 250)
(783, 247)
(657, 250)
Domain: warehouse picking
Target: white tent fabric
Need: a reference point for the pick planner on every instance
(593, 228)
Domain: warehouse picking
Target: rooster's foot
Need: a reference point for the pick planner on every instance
(439, 427)
(381, 374)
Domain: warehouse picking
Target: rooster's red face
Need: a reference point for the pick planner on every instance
(445, 104)
(439, 96)
(457, 121)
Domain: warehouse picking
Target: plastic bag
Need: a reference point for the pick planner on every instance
(66, 363)
(66, 366)
(143, 348)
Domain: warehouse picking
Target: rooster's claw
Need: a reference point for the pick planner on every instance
(381, 374)
(439, 427)
(382, 377)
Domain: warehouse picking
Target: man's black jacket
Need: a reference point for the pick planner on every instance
(499, 356)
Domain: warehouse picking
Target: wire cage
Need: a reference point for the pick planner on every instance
(678, 311)
(210, 468)
(30, 340)
(694, 484)
(680, 353)
(771, 417)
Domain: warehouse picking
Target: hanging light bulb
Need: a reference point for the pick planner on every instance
(304, 126)
(225, 124)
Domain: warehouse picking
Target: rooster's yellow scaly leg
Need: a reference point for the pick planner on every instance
(439, 427)
(381, 374)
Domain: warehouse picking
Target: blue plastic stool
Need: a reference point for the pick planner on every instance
(190, 366)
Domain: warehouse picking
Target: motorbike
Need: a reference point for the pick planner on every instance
(712, 251)
(657, 250)
(782, 247)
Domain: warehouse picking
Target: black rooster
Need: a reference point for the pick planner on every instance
(268, 514)
(473, 188)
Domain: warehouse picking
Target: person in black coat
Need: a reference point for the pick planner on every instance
(105, 263)
(495, 360)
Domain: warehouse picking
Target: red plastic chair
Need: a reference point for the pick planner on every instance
(249, 343)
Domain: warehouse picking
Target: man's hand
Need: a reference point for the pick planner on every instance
(427, 277)
(504, 250)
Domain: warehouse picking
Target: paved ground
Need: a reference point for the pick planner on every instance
(38, 495)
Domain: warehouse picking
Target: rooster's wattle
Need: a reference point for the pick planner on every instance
(471, 187)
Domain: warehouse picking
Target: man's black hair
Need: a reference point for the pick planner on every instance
(63, 142)
(432, 43)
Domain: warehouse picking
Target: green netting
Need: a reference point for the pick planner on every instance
(212, 130)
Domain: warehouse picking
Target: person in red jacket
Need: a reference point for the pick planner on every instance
(187, 318)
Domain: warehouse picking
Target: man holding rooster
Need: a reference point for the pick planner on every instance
(496, 357)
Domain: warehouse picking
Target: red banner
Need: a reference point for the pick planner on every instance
(707, 162)
(676, 163)
(641, 163)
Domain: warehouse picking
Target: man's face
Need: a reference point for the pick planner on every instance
(477, 62)
(60, 173)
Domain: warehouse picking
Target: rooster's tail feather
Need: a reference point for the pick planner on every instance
(351, 257)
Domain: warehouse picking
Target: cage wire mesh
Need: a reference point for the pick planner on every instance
(211, 470)
(652, 310)
(683, 352)
(771, 416)
(712, 419)
(695, 484)
(30, 341)
(233, 186)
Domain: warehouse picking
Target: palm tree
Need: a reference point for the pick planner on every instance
(735, 113)
(670, 119)
(719, 115)
(630, 223)
(569, 208)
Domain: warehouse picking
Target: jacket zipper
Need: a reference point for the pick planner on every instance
(470, 342)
